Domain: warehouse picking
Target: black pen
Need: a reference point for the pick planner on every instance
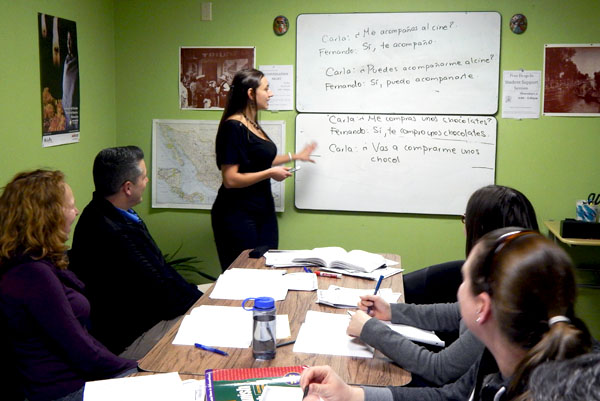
(285, 343)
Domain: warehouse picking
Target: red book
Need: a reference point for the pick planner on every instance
(239, 384)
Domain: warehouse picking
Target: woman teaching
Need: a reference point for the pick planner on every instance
(42, 306)
(243, 215)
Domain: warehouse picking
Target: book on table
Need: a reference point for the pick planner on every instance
(332, 256)
(254, 384)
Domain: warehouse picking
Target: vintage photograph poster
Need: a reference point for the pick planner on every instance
(205, 74)
(572, 80)
(59, 79)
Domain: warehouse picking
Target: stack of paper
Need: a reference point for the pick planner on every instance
(342, 297)
(159, 387)
(223, 326)
(239, 284)
(374, 275)
(282, 258)
(301, 281)
(325, 333)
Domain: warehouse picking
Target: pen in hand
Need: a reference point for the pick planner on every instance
(375, 293)
(211, 349)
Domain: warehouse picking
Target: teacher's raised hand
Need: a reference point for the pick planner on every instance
(305, 153)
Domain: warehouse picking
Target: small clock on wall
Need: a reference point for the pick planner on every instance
(518, 23)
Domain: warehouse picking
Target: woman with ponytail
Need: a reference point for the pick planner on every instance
(243, 215)
(518, 298)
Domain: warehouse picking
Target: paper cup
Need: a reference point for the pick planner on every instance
(586, 212)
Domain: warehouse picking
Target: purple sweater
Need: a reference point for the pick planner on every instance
(46, 316)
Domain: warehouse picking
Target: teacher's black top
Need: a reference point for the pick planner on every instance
(236, 144)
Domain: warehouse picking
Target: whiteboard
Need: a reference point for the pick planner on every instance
(421, 63)
(394, 163)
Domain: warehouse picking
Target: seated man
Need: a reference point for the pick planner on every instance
(135, 295)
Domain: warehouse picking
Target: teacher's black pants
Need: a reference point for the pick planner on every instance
(237, 230)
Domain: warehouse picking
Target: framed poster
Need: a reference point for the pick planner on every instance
(59, 80)
(572, 80)
(205, 74)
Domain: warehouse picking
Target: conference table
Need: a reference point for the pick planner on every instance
(187, 360)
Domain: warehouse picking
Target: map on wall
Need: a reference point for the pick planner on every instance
(184, 170)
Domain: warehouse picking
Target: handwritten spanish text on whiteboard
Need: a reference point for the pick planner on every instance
(424, 63)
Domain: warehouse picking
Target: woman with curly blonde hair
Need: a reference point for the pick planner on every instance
(42, 306)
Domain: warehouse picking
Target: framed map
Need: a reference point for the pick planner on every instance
(184, 170)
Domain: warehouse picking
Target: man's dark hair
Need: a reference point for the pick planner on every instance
(115, 166)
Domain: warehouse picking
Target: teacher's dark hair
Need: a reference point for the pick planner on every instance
(115, 166)
(237, 99)
(496, 206)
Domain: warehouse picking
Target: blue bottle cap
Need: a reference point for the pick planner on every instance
(262, 303)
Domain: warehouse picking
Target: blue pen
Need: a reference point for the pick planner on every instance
(375, 293)
(211, 349)
(306, 269)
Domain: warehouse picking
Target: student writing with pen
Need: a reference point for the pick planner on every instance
(517, 296)
(490, 207)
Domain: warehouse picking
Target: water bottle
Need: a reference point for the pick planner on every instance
(263, 328)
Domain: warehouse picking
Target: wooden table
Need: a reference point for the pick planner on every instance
(378, 371)
(554, 228)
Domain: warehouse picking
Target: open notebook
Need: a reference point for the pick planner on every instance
(332, 256)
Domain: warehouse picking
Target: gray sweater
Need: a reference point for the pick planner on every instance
(440, 368)
(482, 382)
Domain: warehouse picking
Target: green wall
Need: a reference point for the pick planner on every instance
(544, 158)
(129, 69)
(20, 99)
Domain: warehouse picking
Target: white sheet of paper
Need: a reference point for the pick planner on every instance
(301, 281)
(325, 333)
(239, 284)
(223, 326)
(282, 327)
(350, 297)
(194, 390)
(158, 387)
(521, 94)
(281, 82)
(216, 326)
(416, 334)
(280, 393)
